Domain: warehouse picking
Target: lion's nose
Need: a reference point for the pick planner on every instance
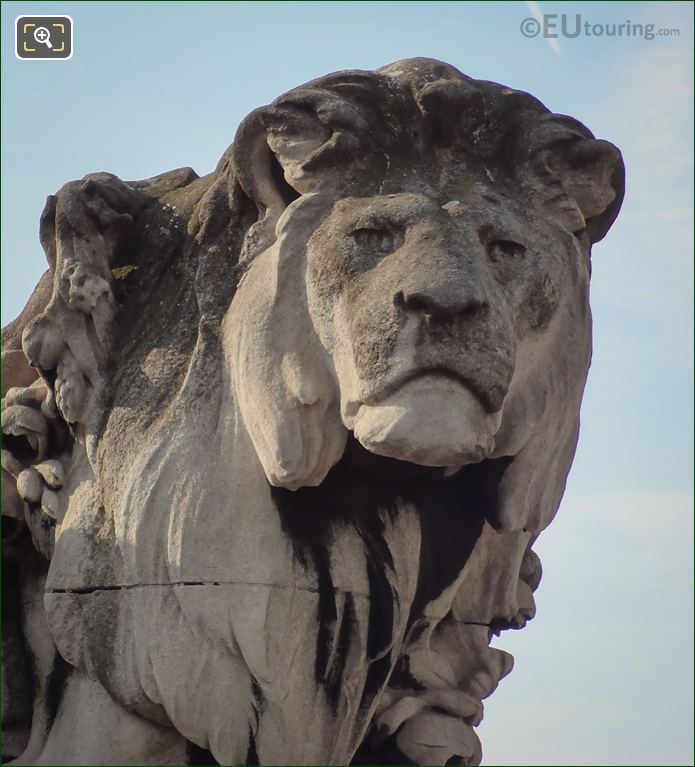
(443, 302)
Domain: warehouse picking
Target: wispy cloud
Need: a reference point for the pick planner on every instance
(537, 14)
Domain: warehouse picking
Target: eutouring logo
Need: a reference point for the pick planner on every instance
(570, 26)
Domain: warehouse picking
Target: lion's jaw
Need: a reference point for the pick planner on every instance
(432, 421)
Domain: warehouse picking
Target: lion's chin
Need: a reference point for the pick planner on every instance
(430, 421)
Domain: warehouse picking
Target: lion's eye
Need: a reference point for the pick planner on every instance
(504, 250)
(379, 240)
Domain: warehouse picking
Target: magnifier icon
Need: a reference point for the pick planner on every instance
(42, 35)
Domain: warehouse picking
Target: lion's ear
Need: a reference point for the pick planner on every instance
(283, 378)
(578, 180)
(592, 176)
(311, 140)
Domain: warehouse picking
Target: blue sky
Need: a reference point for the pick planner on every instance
(604, 673)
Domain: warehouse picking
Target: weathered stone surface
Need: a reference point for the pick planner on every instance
(286, 433)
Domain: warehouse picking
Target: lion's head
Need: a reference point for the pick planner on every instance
(418, 275)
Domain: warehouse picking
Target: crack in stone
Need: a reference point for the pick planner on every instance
(131, 586)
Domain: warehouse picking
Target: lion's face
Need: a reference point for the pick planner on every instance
(421, 303)
(409, 319)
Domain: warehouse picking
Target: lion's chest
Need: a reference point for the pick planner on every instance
(220, 598)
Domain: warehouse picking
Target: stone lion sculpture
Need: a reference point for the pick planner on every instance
(278, 440)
